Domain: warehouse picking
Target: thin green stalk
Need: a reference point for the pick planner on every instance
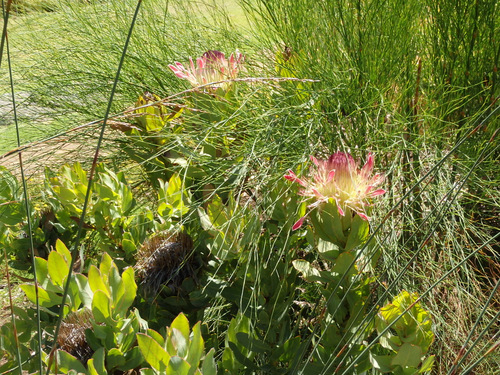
(437, 221)
(26, 199)
(6, 12)
(453, 269)
(462, 354)
(407, 194)
(89, 185)
(13, 317)
(492, 349)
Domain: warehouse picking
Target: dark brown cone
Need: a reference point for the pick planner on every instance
(164, 260)
(71, 336)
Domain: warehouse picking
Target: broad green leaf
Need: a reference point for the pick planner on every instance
(182, 324)
(359, 233)
(290, 349)
(130, 290)
(105, 266)
(427, 365)
(177, 366)
(101, 307)
(408, 356)
(178, 341)
(134, 359)
(96, 282)
(86, 294)
(96, 365)
(66, 362)
(209, 367)
(328, 224)
(153, 353)
(328, 250)
(115, 358)
(196, 346)
(344, 264)
(156, 336)
(115, 285)
(252, 344)
(45, 299)
(41, 272)
(309, 273)
(381, 362)
(128, 245)
(63, 250)
(58, 268)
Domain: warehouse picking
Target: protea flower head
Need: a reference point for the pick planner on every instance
(340, 179)
(212, 66)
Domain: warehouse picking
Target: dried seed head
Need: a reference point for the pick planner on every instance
(164, 260)
(71, 336)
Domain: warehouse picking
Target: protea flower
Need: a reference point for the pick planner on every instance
(211, 67)
(340, 179)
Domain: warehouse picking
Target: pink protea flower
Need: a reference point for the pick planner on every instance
(339, 178)
(211, 67)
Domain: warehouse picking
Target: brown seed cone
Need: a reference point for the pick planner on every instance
(71, 336)
(165, 259)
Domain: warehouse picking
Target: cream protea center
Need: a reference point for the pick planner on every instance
(339, 178)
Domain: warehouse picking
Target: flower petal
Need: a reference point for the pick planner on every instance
(377, 192)
(341, 211)
(293, 177)
(314, 160)
(299, 223)
(368, 167)
(363, 216)
(331, 176)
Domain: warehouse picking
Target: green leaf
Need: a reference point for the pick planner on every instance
(179, 342)
(58, 268)
(41, 272)
(359, 233)
(115, 358)
(290, 349)
(196, 346)
(309, 273)
(96, 364)
(427, 365)
(381, 362)
(327, 223)
(101, 307)
(105, 266)
(134, 359)
(251, 343)
(209, 367)
(96, 282)
(181, 323)
(344, 264)
(63, 250)
(115, 285)
(328, 250)
(86, 294)
(129, 291)
(178, 366)
(66, 362)
(45, 298)
(156, 336)
(153, 353)
(408, 356)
